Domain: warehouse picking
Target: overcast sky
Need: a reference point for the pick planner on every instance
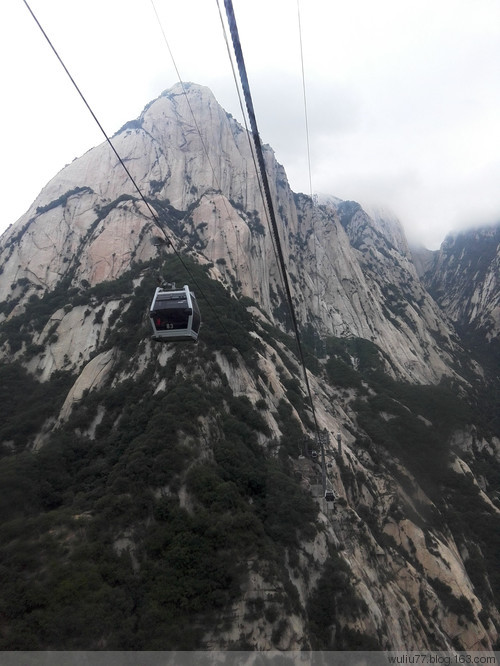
(403, 96)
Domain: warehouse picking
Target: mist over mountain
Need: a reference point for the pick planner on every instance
(159, 497)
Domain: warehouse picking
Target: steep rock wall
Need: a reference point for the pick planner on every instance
(350, 275)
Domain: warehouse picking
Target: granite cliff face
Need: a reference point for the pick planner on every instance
(464, 280)
(351, 275)
(168, 460)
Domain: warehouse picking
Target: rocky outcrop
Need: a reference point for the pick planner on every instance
(94, 375)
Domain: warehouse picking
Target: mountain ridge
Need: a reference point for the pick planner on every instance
(176, 486)
(119, 227)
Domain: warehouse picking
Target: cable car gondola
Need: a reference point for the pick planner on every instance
(330, 495)
(175, 315)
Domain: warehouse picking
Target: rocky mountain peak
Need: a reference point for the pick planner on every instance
(193, 164)
(174, 496)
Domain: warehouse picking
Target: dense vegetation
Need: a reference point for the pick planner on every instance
(414, 424)
(138, 521)
(97, 550)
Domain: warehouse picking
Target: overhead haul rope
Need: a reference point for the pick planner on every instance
(306, 120)
(151, 211)
(153, 214)
(205, 149)
(305, 99)
(251, 146)
(320, 439)
(141, 195)
(248, 135)
(260, 158)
